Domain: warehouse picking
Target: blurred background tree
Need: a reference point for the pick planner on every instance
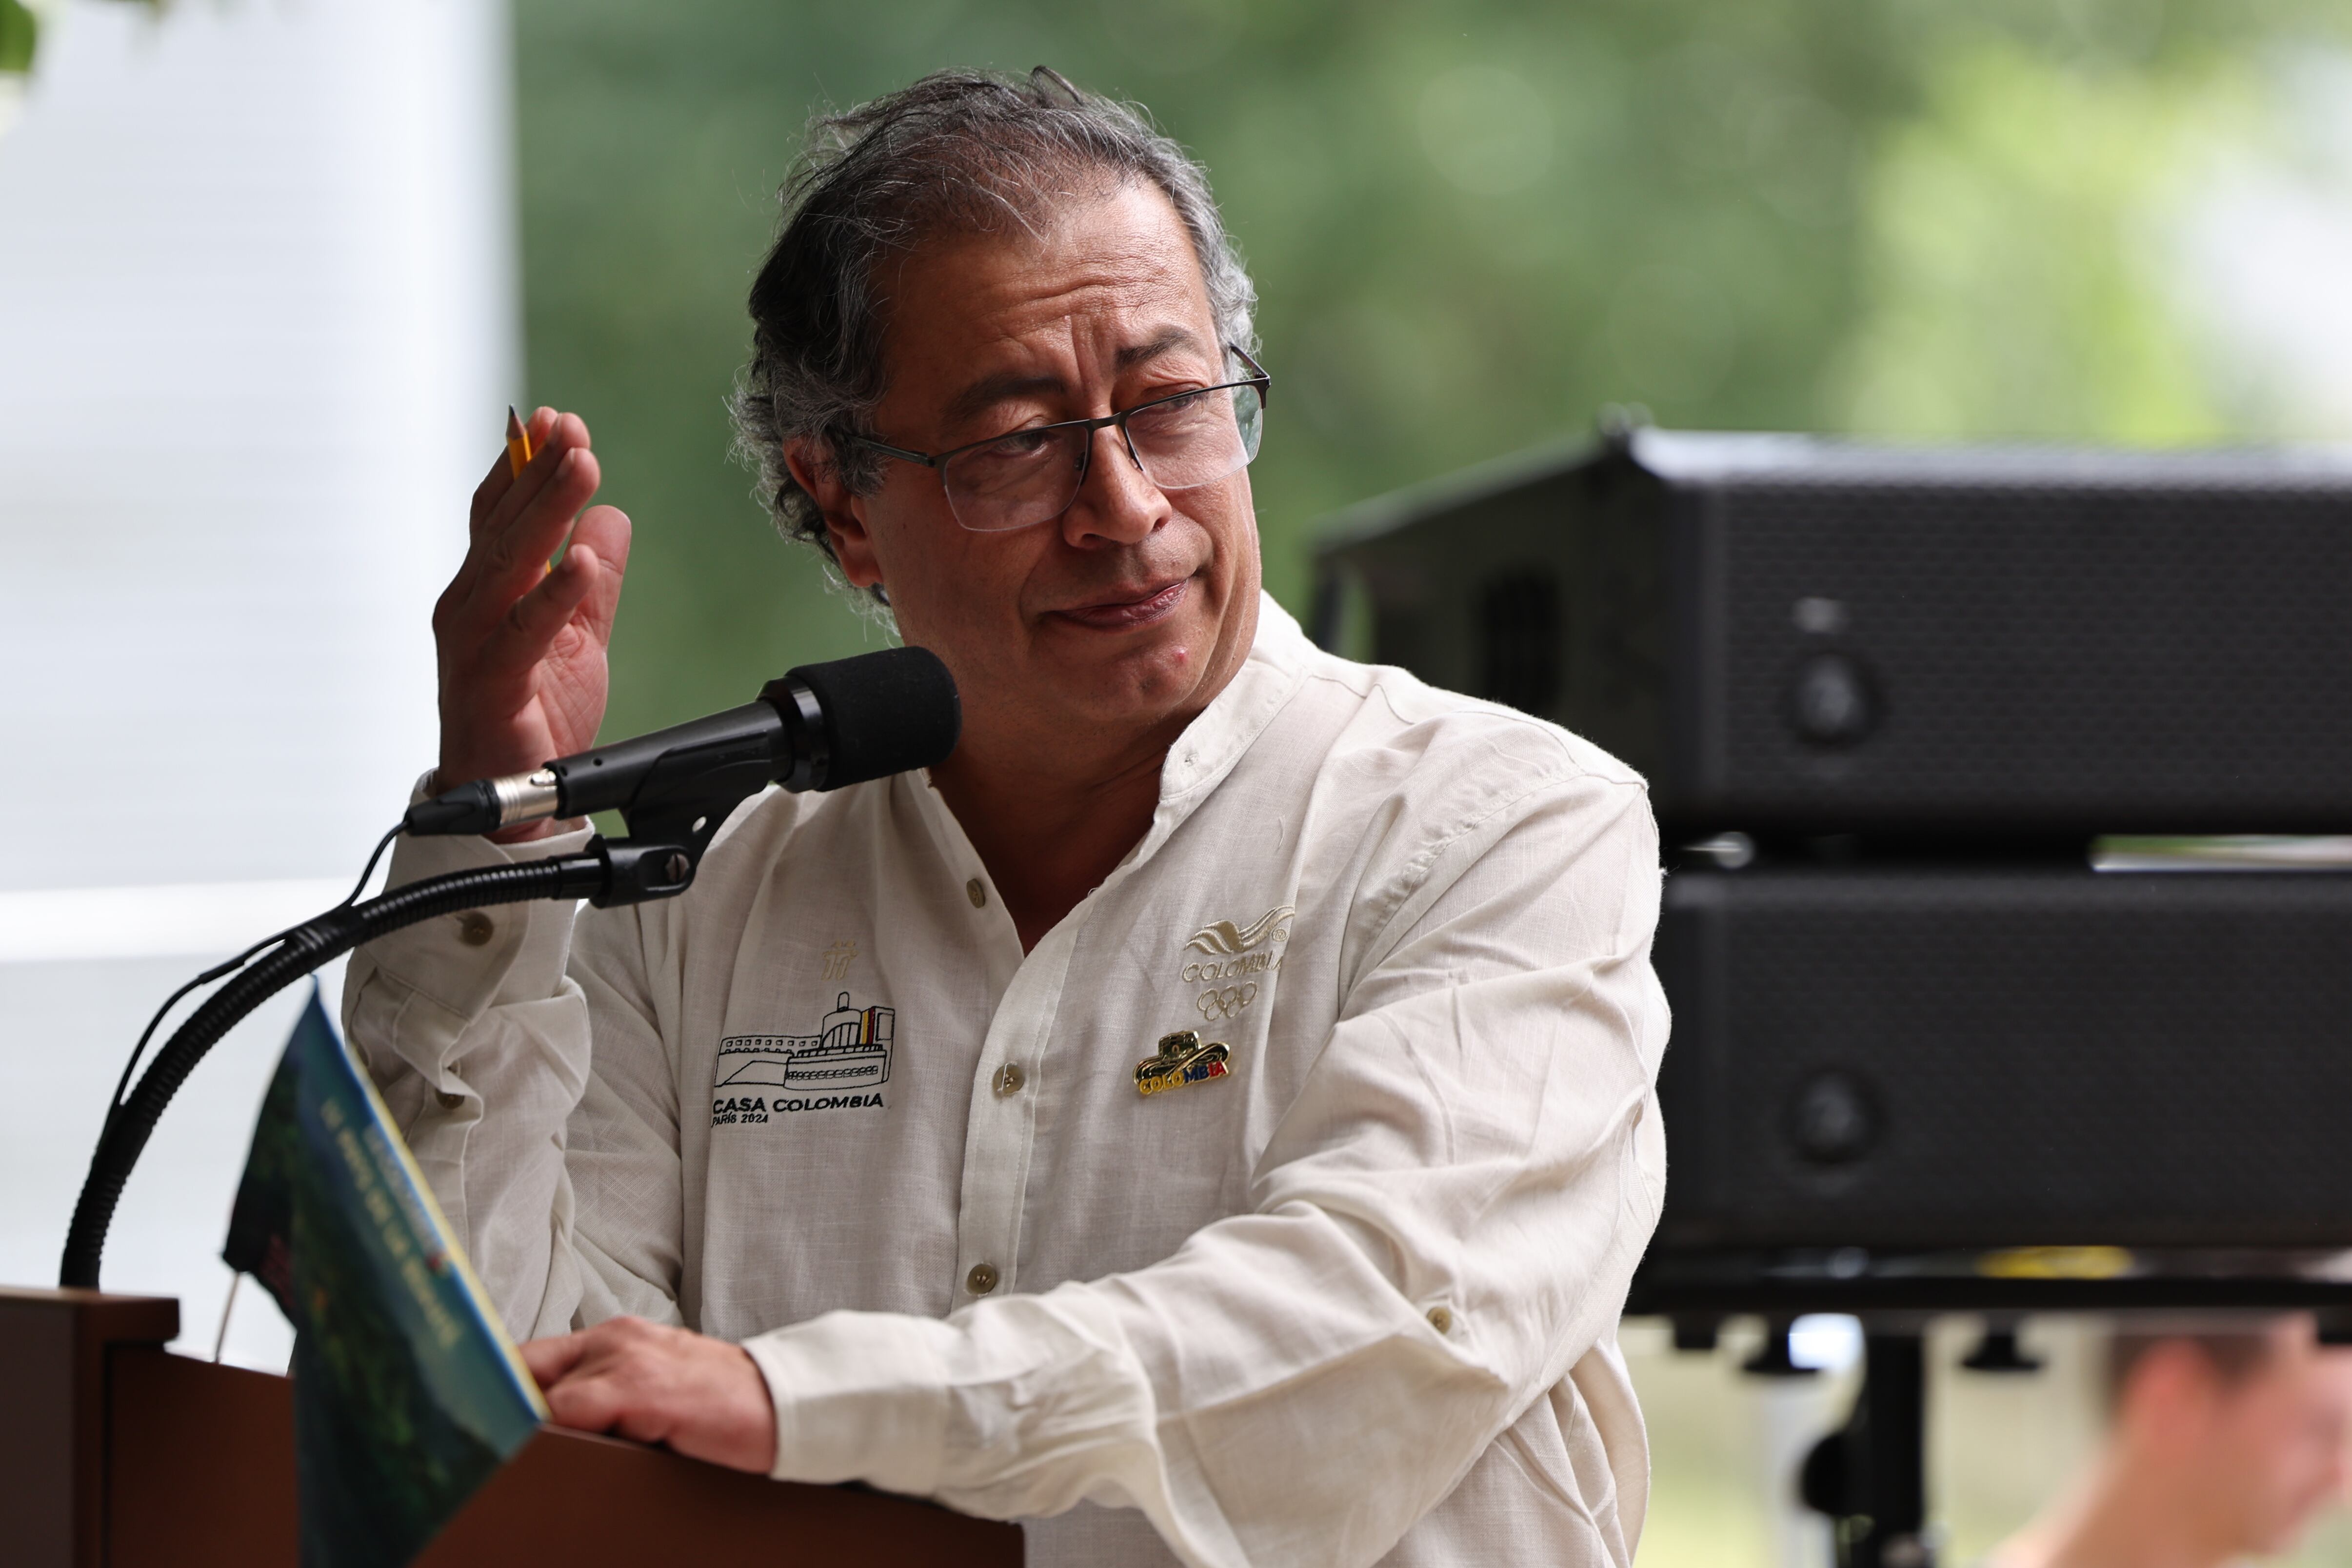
(1472, 226)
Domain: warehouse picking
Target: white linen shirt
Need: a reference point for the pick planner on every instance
(1353, 1300)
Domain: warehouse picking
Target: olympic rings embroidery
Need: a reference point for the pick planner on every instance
(1227, 1003)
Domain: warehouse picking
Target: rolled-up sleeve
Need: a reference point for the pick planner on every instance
(1443, 1223)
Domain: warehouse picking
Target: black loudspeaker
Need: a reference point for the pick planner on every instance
(1796, 635)
(1938, 1057)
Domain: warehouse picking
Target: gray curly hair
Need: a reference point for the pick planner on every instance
(958, 151)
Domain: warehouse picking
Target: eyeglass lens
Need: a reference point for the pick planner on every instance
(1031, 475)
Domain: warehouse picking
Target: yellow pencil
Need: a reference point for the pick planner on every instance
(517, 441)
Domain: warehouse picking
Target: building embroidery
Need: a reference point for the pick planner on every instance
(850, 1050)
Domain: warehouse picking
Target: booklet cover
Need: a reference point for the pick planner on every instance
(407, 1393)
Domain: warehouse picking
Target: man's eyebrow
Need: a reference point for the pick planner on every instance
(1168, 340)
(989, 390)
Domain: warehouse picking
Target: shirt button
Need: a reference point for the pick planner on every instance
(1441, 1320)
(977, 894)
(474, 929)
(981, 1279)
(1010, 1078)
(450, 1099)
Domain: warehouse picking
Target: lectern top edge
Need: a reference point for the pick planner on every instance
(116, 1317)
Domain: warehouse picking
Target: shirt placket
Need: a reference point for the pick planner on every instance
(1015, 1067)
(1016, 1058)
(1000, 1128)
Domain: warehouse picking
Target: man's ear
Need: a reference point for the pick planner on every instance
(845, 525)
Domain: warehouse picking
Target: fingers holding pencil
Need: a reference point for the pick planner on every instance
(511, 479)
(579, 594)
(522, 645)
(522, 516)
(520, 519)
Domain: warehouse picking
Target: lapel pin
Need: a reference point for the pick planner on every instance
(1182, 1059)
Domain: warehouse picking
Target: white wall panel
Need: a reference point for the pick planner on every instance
(257, 329)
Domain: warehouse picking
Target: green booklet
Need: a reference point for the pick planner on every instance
(407, 1393)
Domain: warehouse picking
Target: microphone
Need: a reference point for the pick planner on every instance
(820, 728)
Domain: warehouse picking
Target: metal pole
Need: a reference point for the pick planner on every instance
(1871, 1476)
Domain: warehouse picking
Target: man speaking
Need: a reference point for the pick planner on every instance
(1210, 1116)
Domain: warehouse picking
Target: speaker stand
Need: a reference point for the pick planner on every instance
(1871, 1475)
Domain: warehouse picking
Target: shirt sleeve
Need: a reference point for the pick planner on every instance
(478, 1039)
(1442, 1226)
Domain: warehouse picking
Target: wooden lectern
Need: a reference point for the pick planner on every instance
(116, 1454)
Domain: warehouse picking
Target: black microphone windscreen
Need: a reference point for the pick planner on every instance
(884, 713)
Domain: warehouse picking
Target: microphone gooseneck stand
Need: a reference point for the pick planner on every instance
(619, 871)
(820, 727)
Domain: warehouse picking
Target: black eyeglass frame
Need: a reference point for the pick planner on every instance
(937, 461)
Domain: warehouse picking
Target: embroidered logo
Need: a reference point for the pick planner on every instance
(1220, 937)
(1230, 955)
(1182, 1059)
(831, 1069)
(837, 959)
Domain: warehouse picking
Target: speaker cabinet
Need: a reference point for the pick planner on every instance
(1789, 634)
(1955, 1057)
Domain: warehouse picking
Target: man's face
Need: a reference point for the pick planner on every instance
(1130, 611)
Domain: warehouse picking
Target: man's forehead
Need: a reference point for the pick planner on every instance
(1118, 273)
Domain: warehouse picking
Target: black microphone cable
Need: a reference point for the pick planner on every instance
(228, 967)
(299, 952)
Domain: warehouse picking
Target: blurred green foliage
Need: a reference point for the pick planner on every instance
(1471, 226)
(2009, 288)
(20, 30)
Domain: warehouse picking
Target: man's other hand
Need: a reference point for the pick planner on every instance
(702, 1396)
(522, 647)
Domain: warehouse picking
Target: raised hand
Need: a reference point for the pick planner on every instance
(522, 648)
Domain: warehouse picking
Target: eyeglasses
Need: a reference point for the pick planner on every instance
(1031, 476)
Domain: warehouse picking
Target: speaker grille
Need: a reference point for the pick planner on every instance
(2173, 658)
(2055, 1056)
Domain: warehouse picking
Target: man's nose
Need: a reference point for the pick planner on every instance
(1117, 501)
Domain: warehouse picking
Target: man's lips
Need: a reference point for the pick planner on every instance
(1125, 612)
